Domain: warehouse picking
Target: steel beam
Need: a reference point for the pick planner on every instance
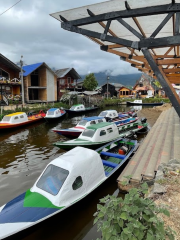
(89, 33)
(138, 12)
(158, 29)
(177, 23)
(170, 91)
(131, 29)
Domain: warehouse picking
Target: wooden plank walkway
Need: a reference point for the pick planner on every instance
(160, 145)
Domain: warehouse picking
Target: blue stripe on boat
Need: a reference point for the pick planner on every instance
(14, 212)
(113, 155)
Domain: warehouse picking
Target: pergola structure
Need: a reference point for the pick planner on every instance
(144, 33)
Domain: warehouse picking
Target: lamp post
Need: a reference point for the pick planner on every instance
(22, 83)
(107, 86)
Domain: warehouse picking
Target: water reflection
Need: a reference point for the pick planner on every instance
(24, 153)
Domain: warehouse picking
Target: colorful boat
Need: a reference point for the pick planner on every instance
(88, 121)
(65, 181)
(80, 108)
(19, 119)
(54, 114)
(100, 134)
(139, 102)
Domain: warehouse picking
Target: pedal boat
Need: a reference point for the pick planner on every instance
(65, 181)
(99, 134)
(54, 114)
(19, 119)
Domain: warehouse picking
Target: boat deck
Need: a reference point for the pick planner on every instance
(160, 145)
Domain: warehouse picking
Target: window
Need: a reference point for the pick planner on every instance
(110, 115)
(16, 118)
(73, 107)
(52, 179)
(82, 122)
(102, 132)
(21, 116)
(114, 114)
(109, 130)
(102, 114)
(62, 81)
(77, 107)
(88, 133)
(100, 120)
(69, 79)
(92, 122)
(77, 183)
(6, 119)
(4, 74)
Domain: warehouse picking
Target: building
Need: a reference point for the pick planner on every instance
(144, 87)
(40, 83)
(125, 92)
(66, 80)
(10, 84)
(113, 89)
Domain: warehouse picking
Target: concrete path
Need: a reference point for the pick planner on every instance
(160, 145)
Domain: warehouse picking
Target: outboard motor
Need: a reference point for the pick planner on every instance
(132, 135)
(143, 120)
(134, 114)
(123, 150)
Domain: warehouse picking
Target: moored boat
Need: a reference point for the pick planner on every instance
(99, 134)
(54, 114)
(65, 181)
(140, 102)
(88, 121)
(80, 108)
(19, 119)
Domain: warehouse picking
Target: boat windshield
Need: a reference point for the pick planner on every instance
(52, 179)
(82, 122)
(50, 113)
(102, 114)
(6, 119)
(88, 133)
(73, 107)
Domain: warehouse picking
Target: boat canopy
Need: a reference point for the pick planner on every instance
(15, 118)
(109, 114)
(77, 107)
(53, 112)
(70, 176)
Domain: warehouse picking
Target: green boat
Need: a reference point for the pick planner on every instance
(100, 134)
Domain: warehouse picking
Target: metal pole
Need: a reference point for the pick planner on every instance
(22, 83)
(107, 86)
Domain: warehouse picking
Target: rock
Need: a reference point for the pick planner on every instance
(174, 173)
(158, 189)
(159, 175)
(174, 161)
(168, 169)
(161, 166)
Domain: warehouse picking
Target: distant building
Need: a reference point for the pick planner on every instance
(113, 89)
(143, 87)
(66, 80)
(125, 92)
(10, 84)
(40, 83)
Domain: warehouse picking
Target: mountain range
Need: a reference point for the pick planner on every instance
(126, 80)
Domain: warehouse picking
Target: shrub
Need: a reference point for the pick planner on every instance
(132, 218)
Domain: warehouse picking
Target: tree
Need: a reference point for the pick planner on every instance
(90, 82)
(157, 83)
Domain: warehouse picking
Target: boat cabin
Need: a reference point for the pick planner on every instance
(15, 118)
(53, 113)
(68, 177)
(137, 101)
(88, 121)
(110, 114)
(100, 132)
(78, 107)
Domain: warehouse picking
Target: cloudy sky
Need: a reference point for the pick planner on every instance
(28, 30)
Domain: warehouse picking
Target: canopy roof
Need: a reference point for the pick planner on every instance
(143, 33)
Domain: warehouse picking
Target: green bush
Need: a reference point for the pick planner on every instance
(132, 218)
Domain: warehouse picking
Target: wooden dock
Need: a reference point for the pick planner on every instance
(160, 145)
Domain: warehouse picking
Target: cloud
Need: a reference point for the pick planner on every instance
(28, 30)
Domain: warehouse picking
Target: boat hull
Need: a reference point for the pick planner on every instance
(71, 112)
(144, 104)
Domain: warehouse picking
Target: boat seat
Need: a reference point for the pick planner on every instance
(52, 185)
(109, 164)
(113, 155)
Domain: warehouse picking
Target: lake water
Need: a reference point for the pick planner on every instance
(24, 153)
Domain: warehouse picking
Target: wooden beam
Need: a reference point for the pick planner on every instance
(175, 80)
(168, 61)
(168, 51)
(115, 46)
(171, 70)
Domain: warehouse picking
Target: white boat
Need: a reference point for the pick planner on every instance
(54, 114)
(65, 181)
